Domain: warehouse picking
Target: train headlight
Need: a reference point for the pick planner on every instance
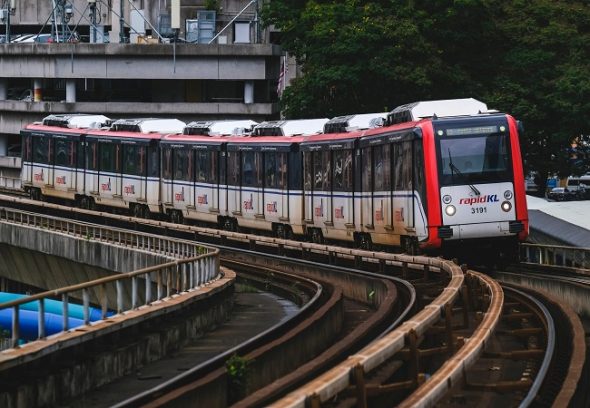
(507, 194)
(506, 206)
(450, 210)
(447, 199)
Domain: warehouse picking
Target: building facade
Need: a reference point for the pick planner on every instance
(219, 63)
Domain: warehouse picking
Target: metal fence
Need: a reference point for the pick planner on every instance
(187, 267)
(555, 255)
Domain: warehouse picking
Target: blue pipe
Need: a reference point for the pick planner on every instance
(29, 321)
(54, 307)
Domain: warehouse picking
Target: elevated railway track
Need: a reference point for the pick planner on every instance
(417, 358)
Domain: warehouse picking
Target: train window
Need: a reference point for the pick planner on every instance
(282, 166)
(321, 170)
(419, 183)
(206, 166)
(406, 174)
(153, 162)
(27, 153)
(308, 170)
(233, 168)
(65, 154)
(270, 170)
(342, 170)
(183, 165)
(294, 178)
(398, 166)
(108, 157)
(167, 163)
(367, 169)
(41, 150)
(382, 167)
(92, 156)
(134, 162)
(251, 169)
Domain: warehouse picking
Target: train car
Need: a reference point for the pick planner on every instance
(438, 175)
(53, 155)
(123, 164)
(115, 163)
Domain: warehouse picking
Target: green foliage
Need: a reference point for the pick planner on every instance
(237, 370)
(528, 58)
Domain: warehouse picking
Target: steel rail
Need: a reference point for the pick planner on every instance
(547, 320)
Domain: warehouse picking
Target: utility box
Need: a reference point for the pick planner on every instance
(192, 31)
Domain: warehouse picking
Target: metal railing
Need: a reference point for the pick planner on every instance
(555, 255)
(188, 266)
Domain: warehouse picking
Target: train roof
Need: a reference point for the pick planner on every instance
(290, 127)
(148, 125)
(75, 121)
(441, 108)
(350, 123)
(220, 127)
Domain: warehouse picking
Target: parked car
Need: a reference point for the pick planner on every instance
(560, 194)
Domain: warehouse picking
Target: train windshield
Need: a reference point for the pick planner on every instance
(474, 155)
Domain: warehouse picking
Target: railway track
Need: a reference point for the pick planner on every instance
(388, 367)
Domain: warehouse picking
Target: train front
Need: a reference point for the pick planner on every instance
(482, 196)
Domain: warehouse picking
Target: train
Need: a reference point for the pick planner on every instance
(432, 176)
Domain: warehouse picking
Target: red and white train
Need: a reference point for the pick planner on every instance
(428, 175)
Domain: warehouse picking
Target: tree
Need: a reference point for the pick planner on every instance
(529, 58)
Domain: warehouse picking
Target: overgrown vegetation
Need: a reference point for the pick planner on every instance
(528, 58)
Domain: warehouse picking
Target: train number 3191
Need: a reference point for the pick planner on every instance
(479, 210)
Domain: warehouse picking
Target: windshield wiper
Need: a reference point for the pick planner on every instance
(455, 169)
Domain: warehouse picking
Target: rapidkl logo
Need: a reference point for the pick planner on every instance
(249, 204)
(60, 180)
(179, 196)
(39, 176)
(339, 212)
(106, 186)
(202, 199)
(271, 207)
(319, 211)
(488, 198)
(130, 190)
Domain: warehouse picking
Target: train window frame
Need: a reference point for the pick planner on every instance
(252, 160)
(367, 166)
(382, 167)
(65, 155)
(342, 170)
(183, 165)
(167, 163)
(234, 160)
(42, 150)
(131, 165)
(110, 164)
(92, 161)
(153, 162)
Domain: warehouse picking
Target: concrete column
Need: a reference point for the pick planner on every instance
(249, 92)
(3, 89)
(70, 91)
(37, 90)
(3, 145)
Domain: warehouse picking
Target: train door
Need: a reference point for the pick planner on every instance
(321, 189)
(42, 167)
(167, 186)
(109, 178)
(134, 177)
(64, 164)
(276, 198)
(26, 173)
(234, 193)
(342, 196)
(308, 187)
(91, 168)
(404, 195)
(153, 191)
(381, 192)
(252, 186)
(184, 170)
(207, 181)
(367, 188)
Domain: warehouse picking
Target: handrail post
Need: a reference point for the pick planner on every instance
(15, 326)
(41, 319)
(64, 299)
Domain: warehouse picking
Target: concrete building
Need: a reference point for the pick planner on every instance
(223, 65)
